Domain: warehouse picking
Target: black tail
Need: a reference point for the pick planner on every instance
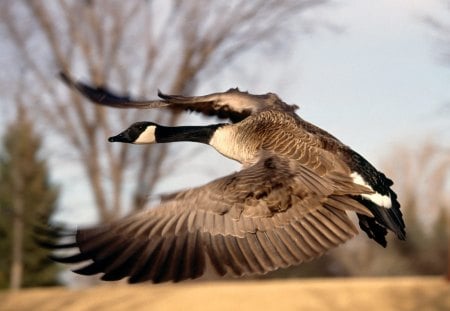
(384, 219)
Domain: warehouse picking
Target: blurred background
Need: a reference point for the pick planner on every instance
(376, 74)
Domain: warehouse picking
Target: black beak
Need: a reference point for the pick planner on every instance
(121, 138)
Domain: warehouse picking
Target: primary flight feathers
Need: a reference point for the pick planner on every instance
(232, 104)
(289, 204)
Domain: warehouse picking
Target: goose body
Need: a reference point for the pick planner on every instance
(287, 205)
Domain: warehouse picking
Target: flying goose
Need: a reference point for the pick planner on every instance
(289, 204)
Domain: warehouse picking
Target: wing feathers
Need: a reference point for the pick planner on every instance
(182, 223)
(347, 203)
(219, 259)
(259, 253)
(159, 270)
(122, 265)
(273, 255)
(281, 248)
(179, 255)
(303, 241)
(103, 96)
(219, 224)
(291, 242)
(270, 221)
(170, 225)
(233, 256)
(327, 228)
(252, 260)
(173, 265)
(142, 265)
(234, 105)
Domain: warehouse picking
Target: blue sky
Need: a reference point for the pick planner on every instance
(376, 84)
(379, 82)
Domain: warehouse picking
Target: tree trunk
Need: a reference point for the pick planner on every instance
(17, 235)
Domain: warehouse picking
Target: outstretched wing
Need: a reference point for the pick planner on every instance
(232, 104)
(272, 215)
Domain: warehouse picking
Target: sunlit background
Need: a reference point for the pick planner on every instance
(373, 73)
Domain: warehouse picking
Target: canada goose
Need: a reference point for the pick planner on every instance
(287, 205)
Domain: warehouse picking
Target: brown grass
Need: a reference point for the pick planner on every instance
(412, 293)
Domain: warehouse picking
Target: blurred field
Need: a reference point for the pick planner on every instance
(412, 293)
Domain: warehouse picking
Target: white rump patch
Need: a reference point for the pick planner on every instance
(377, 198)
(147, 136)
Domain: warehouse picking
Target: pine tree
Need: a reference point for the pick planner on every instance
(27, 198)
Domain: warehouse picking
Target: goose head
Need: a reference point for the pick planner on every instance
(137, 133)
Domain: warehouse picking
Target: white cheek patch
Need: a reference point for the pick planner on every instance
(377, 198)
(147, 136)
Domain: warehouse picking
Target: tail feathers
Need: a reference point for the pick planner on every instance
(372, 229)
(384, 218)
(396, 214)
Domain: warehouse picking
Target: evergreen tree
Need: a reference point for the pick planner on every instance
(26, 198)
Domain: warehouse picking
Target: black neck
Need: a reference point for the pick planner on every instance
(200, 134)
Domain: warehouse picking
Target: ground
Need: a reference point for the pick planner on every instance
(406, 293)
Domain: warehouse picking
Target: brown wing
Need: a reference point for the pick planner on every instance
(232, 104)
(272, 215)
